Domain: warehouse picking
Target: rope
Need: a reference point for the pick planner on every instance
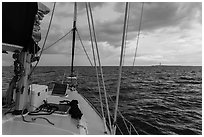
(9, 111)
(33, 119)
(45, 38)
(84, 47)
(107, 106)
(120, 67)
(97, 77)
(57, 40)
(138, 35)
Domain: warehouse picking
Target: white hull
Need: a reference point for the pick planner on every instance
(91, 123)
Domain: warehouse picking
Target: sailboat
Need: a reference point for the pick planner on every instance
(32, 109)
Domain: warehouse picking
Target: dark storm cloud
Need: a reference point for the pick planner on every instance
(155, 16)
(159, 15)
(80, 6)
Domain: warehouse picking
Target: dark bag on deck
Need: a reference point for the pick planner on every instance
(74, 111)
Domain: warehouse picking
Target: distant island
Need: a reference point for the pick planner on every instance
(160, 65)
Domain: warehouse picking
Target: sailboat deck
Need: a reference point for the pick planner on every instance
(90, 122)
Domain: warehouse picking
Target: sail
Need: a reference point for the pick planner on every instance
(17, 23)
(42, 10)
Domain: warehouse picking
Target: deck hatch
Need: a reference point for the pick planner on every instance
(59, 89)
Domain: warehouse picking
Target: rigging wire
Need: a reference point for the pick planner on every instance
(84, 47)
(124, 58)
(53, 10)
(138, 35)
(124, 119)
(57, 40)
(101, 71)
(97, 75)
(126, 35)
(111, 116)
(120, 68)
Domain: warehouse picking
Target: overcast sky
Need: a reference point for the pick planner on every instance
(171, 33)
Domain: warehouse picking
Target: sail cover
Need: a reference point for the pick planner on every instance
(17, 23)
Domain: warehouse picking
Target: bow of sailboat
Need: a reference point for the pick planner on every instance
(32, 108)
(59, 122)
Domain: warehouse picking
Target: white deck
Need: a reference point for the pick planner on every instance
(63, 124)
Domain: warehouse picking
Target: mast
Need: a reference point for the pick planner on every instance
(23, 84)
(73, 40)
(17, 30)
(24, 44)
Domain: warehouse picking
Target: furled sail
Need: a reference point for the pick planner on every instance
(17, 23)
(42, 10)
(21, 25)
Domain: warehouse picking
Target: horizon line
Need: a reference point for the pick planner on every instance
(109, 65)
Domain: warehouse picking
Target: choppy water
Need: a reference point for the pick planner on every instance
(157, 100)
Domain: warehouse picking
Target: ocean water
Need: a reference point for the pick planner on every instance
(158, 100)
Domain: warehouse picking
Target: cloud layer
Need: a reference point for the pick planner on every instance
(170, 32)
